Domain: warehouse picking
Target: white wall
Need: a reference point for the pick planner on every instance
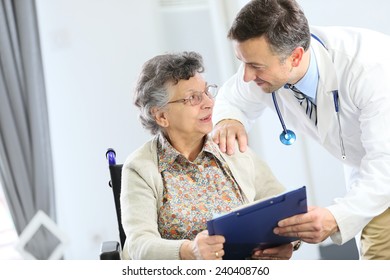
(92, 52)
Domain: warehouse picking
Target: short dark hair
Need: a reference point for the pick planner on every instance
(156, 74)
(282, 22)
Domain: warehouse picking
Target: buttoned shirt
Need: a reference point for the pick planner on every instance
(193, 191)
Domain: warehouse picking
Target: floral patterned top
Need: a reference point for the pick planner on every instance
(193, 191)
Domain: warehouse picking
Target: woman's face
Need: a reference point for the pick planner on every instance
(185, 121)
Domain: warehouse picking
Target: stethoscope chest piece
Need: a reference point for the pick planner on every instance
(287, 137)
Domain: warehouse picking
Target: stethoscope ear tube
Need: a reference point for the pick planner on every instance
(287, 137)
(337, 108)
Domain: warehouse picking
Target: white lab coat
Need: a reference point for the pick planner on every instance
(357, 64)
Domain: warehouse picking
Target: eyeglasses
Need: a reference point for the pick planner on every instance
(196, 97)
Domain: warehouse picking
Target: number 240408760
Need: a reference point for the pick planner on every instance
(251, 270)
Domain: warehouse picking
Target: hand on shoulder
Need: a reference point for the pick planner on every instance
(227, 132)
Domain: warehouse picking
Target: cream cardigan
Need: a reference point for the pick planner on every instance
(142, 192)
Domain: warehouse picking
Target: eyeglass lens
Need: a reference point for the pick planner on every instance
(211, 92)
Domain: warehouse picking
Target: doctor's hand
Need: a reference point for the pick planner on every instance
(312, 227)
(282, 252)
(203, 247)
(225, 134)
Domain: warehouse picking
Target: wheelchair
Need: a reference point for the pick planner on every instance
(111, 250)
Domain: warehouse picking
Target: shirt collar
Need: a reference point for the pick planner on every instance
(308, 84)
(167, 154)
(211, 148)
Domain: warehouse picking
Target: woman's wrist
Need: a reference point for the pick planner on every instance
(186, 252)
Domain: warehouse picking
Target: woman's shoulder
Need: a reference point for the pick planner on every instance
(143, 156)
(248, 154)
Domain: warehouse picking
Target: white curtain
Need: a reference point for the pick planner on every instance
(26, 171)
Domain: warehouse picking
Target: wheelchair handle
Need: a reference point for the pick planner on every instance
(110, 155)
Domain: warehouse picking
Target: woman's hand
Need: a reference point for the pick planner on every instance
(282, 252)
(203, 247)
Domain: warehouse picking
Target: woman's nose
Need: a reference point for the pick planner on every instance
(208, 101)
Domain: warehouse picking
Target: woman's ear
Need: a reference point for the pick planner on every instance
(160, 116)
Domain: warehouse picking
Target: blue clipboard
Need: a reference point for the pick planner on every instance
(251, 226)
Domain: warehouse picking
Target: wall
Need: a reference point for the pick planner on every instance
(92, 52)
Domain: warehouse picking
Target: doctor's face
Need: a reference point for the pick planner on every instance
(263, 66)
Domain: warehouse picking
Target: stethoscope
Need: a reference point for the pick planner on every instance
(288, 137)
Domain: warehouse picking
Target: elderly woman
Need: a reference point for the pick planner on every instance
(177, 181)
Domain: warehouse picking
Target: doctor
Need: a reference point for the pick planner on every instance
(345, 76)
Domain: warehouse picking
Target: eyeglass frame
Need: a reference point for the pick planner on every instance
(199, 94)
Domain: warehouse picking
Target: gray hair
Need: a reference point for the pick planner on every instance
(156, 74)
(282, 22)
